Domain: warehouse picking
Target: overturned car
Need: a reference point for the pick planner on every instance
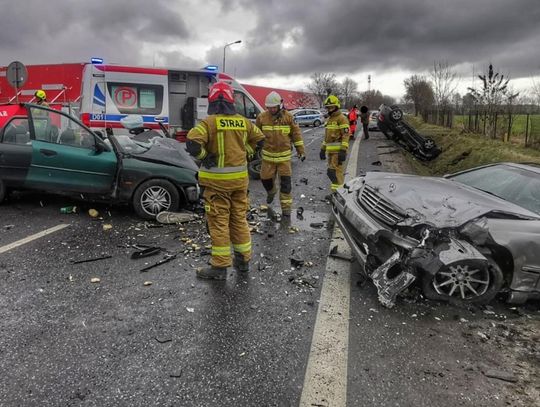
(464, 237)
(390, 122)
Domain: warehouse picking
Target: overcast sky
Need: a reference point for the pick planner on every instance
(283, 42)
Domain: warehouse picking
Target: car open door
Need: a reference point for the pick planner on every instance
(67, 156)
(15, 151)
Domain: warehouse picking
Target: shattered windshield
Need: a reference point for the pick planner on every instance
(130, 146)
(512, 184)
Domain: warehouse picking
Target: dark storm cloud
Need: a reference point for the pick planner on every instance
(351, 36)
(36, 31)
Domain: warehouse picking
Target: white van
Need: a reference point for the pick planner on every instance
(176, 98)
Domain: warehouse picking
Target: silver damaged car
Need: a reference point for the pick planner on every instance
(464, 237)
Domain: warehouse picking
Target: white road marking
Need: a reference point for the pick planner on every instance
(325, 382)
(31, 238)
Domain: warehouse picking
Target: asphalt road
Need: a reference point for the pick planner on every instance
(180, 341)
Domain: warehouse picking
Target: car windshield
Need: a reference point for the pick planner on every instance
(129, 146)
(516, 185)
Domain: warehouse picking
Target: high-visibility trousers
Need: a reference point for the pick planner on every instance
(269, 173)
(226, 216)
(335, 172)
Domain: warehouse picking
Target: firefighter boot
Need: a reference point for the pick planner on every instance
(240, 264)
(212, 273)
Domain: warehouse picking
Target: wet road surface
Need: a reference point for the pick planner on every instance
(180, 341)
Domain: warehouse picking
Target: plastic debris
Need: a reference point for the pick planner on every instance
(107, 227)
(191, 310)
(68, 209)
(91, 260)
(147, 283)
(175, 217)
(95, 280)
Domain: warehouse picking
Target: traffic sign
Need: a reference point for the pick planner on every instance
(16, 74)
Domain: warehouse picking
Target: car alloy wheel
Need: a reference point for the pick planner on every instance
(155, 199)
(429, 144)
(462, 281)
(317, 123)
(396, 115)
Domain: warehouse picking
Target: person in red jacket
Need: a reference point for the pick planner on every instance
(353, 119)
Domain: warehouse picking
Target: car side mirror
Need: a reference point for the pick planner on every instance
(100, 147)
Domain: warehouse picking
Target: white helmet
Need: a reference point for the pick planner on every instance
(273, 99)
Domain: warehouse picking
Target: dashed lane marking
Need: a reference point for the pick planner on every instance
(31, 238)
(325, 382)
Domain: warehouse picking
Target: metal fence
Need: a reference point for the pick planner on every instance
(519, 128)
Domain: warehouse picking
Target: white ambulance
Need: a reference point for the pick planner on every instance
(176, 98)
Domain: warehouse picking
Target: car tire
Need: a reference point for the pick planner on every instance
(494, 284)
(254, 169)
(154, 196)
(429, 143)
(317, 123)
(2, 191)
(396, 115)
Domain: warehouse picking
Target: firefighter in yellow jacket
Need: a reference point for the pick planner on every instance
(336, 142)
(280, 131)
(223, 141)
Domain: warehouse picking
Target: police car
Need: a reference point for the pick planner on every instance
(308, 117)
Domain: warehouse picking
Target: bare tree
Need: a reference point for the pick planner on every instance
(348, 91)
(322, 84)
(444, 82)
(493, 93)
(419, 92)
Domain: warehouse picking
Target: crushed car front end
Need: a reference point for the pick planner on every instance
(404, 229)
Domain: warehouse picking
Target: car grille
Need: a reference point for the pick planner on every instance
(379, 206)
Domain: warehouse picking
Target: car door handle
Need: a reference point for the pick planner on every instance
(48, 153)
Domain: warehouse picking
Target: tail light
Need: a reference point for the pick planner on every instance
(381, 118)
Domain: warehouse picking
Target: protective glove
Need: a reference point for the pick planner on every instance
(322, 155)
(209, 161)
(342, 156)
(302, 157)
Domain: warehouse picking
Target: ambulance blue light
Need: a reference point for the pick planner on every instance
(212, 68)
(96, 61)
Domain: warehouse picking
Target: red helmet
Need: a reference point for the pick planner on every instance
(221, 89)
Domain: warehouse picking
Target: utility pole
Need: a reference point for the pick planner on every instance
(369, 83)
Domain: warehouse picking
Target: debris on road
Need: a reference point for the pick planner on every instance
(169, 218)
(93, 213)
(68, 209)
(376, 163)
(168, 257)
(163, 339)
(95, 280)
(146, 252)
(147, 283)
(107, 226)
(501, 375)
(334, 253)
(190, 310)
(316, 225)
(9, 227)
(91, 260)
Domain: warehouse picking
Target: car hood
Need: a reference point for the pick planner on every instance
(439, 201)
(168, 152)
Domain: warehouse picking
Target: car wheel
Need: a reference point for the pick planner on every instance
(317, 123)
(2, 191)
(155, 196)
(472, 282)
(429, 143)
(396, 115)
(254, 169)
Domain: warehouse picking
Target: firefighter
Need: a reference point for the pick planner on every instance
(280, 131)
(41, 98)
(353, 119)
(222, 142)
(336, 142)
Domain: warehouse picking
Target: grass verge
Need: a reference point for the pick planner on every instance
(461, 150)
